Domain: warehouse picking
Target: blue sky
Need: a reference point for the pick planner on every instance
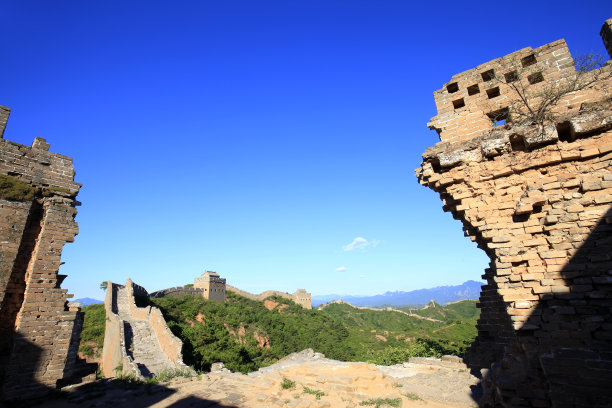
(274, 142)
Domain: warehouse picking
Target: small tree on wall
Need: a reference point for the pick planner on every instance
(536, 98)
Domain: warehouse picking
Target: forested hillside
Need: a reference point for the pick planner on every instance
(382, 331)
(461, 310)
(246, 334)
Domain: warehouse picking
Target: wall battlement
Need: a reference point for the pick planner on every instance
(537, 198)
(474, 102)
(39, 328)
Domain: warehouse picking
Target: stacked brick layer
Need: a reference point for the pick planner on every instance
(38, 329)
(538, 202)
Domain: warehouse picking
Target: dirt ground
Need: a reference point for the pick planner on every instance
(305, 379)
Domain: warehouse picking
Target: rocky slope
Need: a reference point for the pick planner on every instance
(318, 382)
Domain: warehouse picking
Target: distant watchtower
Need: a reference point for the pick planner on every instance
(301, 297)
(213, 286)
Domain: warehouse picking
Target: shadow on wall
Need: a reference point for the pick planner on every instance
(562, 355)
(19, 382)
(20, 385)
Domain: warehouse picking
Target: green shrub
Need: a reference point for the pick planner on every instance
(170, 373)
(412, 396)
(87, 350)
(92, 333)
(287, 384)
(318, 394)
(379, 402)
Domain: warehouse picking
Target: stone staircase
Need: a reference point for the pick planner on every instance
(140, 341)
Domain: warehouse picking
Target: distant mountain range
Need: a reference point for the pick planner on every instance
(88, 301)
(440, 294)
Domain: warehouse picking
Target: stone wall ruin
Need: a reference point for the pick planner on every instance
(300, 296)
(39, 328)
(119, 355)
(536, 196)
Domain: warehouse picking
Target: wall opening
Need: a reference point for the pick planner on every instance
(565, 132)
(473, 90)
(459, 103)
(517, 142)
(535, 78)
(499, 117)
(488, 75)
(493, 92)
(511, 76)
(452, 88)
(528, 60)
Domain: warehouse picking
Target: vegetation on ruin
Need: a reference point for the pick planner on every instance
(534, 104)
(317, 393)
(92, 334)
(287, 384)
(245, 335)
(14, 189)
(380, 402)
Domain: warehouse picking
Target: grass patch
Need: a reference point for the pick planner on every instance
(14, 189)
(412, 396)
(287, 384)
(170, 373)
(318, 394)
(379, 402)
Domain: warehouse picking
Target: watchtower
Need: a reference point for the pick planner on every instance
(212, 284)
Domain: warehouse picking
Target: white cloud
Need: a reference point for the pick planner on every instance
(341, 269)
(360, 243)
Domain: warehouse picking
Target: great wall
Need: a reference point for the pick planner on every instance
(536, 198)
(39, 328)
(388, 309)
(137, 340)
(534, 193)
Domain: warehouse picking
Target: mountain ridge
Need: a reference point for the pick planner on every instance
(441, 294)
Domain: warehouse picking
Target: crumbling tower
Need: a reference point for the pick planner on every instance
(39, 328)
(533, 188)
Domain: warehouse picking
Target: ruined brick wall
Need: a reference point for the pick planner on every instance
(115, 359)
(114, 353)
(177, 291)
(37, 327)
(606, 35)
(4, 115)
(171, 345)
(537, 199)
